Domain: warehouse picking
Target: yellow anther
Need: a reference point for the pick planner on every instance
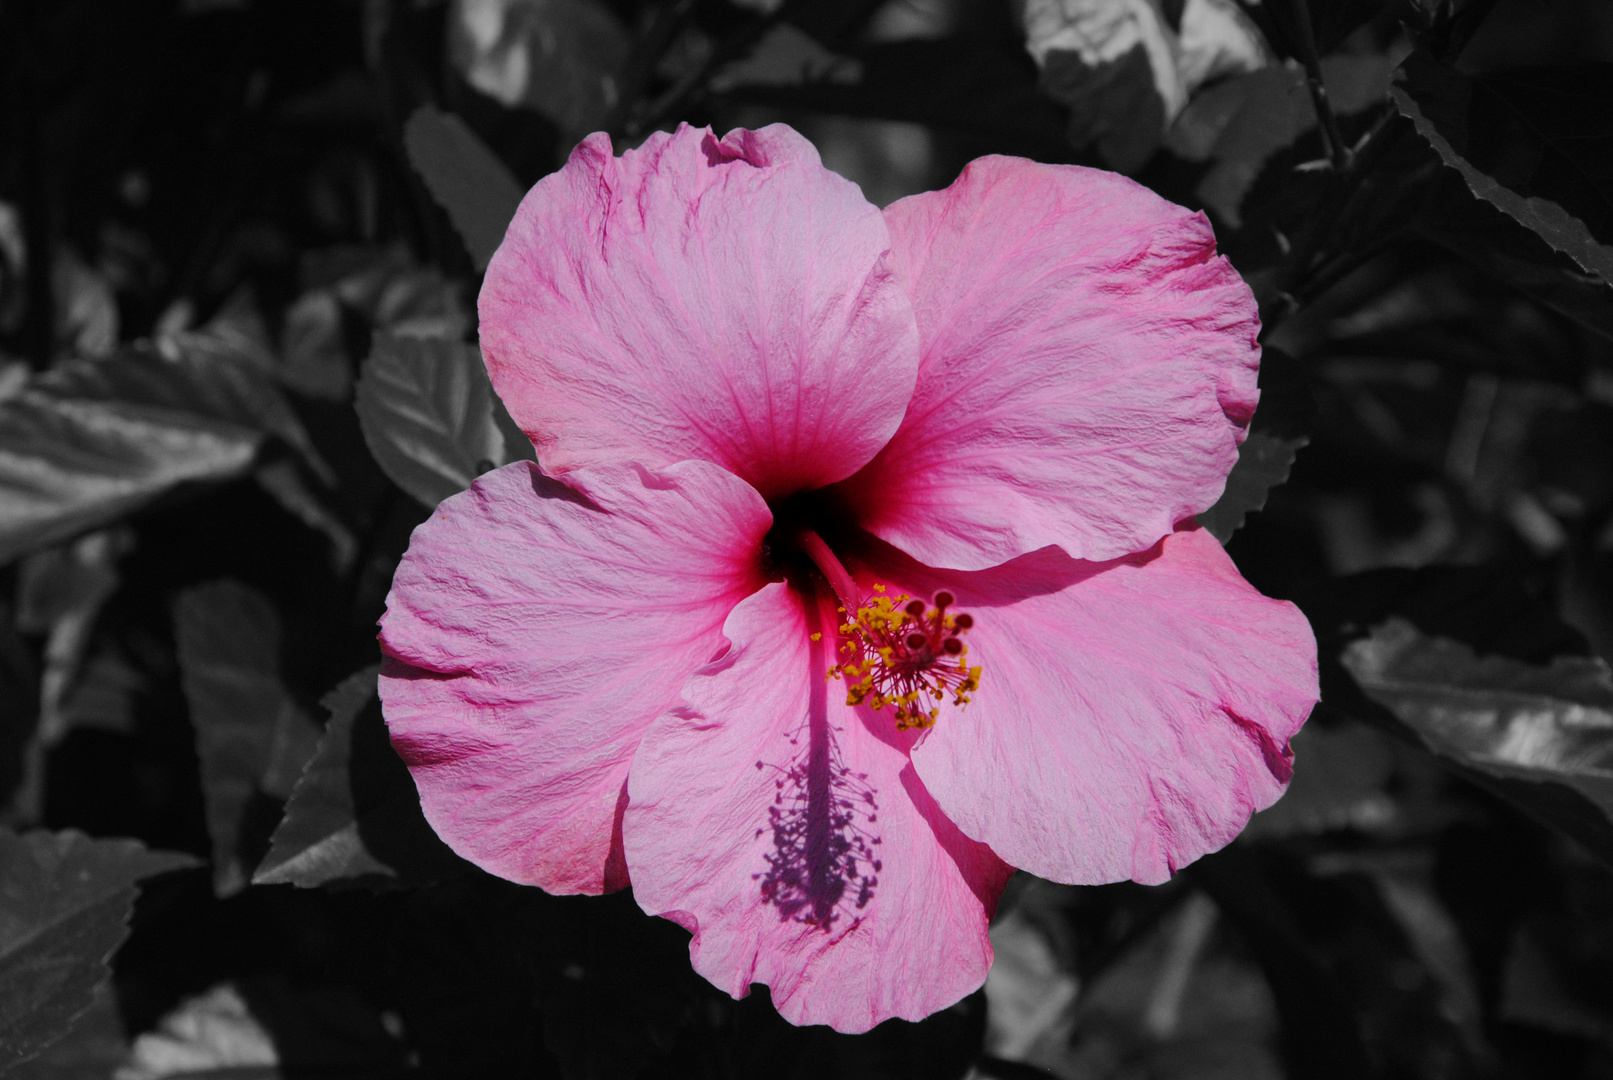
(900, 651)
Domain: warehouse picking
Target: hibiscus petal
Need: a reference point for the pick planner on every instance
(1089, 369)
(533, 636)
(728, 301)
(1131, 715)
(797, 845)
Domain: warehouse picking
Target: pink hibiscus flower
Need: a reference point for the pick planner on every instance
(684, 654)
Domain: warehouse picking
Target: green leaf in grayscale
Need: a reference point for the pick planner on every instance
(237, 332)
(64, 905)
(466, 177)
(284, 483)
(92, 1049)
(1031, 992)
(610, 991)
(1263, 463)
(355, 815)
(386, 289)
(1490, 609)
(786, 56)
(418, 302)
(263, 1028)
(232, 363)
(952, 83)
(428, 414)
(313, 354)
(1280, 429)
(1340, 776)
(20, 758)
(212, 1034)
(517, 447)
(90, 441)
(1173, 1001)
(251, 737)
(560, 58)
(1539, 734)
(1335, 20)
(1535, 992)
(60, 594)
(1405, 883)
(382, 288)
(1238, 124)
(1533, 143)
(86, 309)
(1318, 1031)
(1513, 253)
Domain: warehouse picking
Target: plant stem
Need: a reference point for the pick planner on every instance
(1337, 152)
(1295, 274)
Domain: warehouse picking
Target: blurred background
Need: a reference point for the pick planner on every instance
(240, 244)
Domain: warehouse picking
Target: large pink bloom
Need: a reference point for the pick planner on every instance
(757, 399)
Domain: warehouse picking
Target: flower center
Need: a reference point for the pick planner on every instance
(902, 653)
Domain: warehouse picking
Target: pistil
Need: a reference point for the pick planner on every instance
(835, 572)
(901, 653)
(895, 651)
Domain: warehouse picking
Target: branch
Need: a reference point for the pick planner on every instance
(1337, 152)
(1293, 278)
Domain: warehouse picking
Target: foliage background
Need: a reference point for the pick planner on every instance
(239, 247)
